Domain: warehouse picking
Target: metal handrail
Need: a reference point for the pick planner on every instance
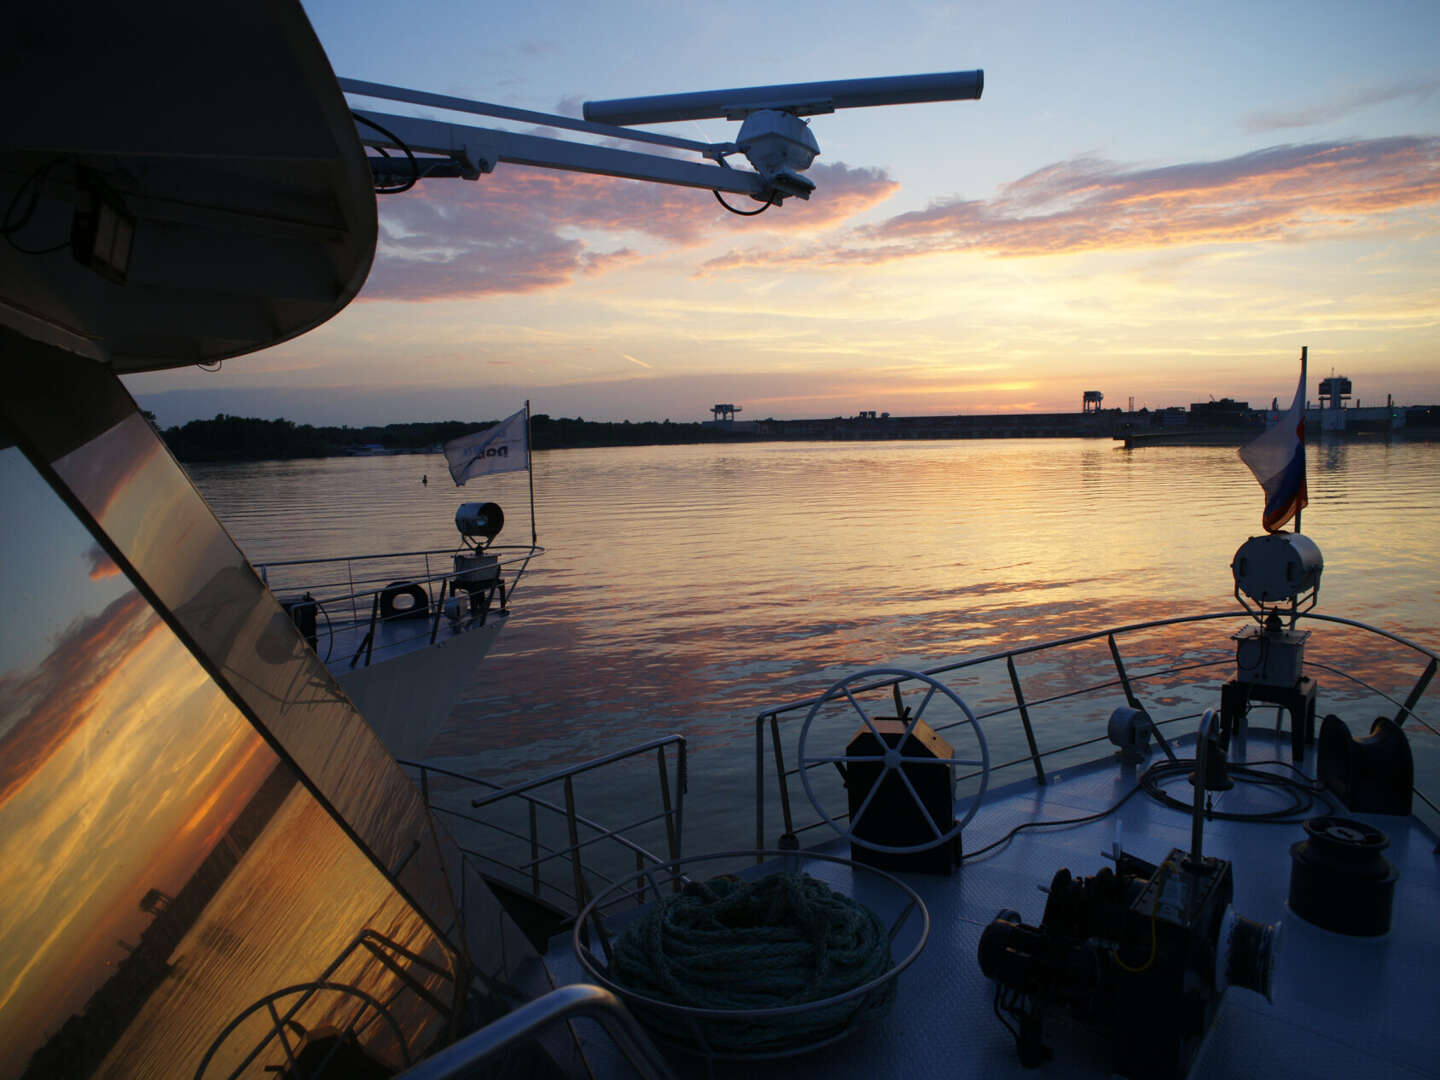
(523, 555)
(588, 766)
(771, 717)
(362, 594)
(671, 813)
(351, 581)
(530, 1020)
(394, 555)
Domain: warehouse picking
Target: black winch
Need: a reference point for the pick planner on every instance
(1142, 954)
(1339, 880)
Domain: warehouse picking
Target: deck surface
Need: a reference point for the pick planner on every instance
(1344, 1007)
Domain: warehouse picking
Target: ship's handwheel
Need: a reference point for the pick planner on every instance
(893, 760)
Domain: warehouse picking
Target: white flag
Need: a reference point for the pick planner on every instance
(502, 448)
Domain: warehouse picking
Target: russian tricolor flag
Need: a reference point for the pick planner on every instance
(1277, 458)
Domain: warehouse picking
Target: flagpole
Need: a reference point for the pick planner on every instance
(1304, 401)
(530, 471)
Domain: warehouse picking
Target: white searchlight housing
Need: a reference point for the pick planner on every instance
(1280, 572)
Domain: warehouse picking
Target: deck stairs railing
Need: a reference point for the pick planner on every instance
(533, 837)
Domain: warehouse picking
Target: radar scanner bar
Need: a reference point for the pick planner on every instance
(799, 99)
(774, 138)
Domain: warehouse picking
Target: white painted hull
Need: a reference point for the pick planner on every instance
(408, 698)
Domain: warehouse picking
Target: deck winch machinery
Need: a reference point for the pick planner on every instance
(1141, 953)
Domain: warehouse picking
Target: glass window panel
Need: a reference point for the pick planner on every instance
(161, 869)
(124, 477)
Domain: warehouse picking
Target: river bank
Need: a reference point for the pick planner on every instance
(237, 439)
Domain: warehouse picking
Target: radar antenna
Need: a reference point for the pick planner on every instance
(774, 135)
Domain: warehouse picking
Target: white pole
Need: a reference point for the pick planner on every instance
(530, 470)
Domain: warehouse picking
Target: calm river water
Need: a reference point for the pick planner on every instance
(687, 588)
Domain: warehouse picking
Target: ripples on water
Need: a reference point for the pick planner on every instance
(687, 588)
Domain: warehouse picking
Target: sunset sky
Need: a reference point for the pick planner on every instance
(1154, 202)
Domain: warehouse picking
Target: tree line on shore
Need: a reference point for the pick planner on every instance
(241, 438)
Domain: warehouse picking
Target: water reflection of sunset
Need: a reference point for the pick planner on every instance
(296, 900)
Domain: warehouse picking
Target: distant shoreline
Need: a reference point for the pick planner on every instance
(233, 438)
(236, 438)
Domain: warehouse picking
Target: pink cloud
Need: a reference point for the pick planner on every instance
(1289, 192)
(601, 262)
(514, 230)
(101, 565)
(1417, 91)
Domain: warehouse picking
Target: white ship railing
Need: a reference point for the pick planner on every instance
(529, 1021)
(773, 725)
(348, 592)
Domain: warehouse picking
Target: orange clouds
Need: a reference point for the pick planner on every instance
(1289, 192)
(52, 700)
(522, 230)
(101, 565)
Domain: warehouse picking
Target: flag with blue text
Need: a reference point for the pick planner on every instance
(1277, 458)
(502, 448)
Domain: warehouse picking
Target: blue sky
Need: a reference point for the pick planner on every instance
(1158, 202)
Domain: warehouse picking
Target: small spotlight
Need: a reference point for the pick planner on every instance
(102, 234)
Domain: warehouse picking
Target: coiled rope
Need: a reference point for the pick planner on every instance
(727, 943)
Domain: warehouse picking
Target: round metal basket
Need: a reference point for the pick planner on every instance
(682, 1027)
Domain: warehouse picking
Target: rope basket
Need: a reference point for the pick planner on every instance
(768, 966)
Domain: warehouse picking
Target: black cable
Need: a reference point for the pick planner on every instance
(34, 182)
(769, 199)
(414, 165)
(1303, 796)
(329, 631)
(1043, 824)
(743, 213)
(1000, 1016)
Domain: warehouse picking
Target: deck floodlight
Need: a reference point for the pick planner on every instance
(1280, 572)
(103, 230)
(480, 521)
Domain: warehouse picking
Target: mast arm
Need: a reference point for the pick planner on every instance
(478, 150)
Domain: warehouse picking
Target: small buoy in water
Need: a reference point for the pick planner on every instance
(425, 478)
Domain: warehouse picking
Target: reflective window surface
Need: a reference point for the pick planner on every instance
(161, 870)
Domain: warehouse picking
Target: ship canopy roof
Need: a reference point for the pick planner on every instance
(182, 183)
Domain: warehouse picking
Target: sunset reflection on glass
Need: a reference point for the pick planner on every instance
(161, 868)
